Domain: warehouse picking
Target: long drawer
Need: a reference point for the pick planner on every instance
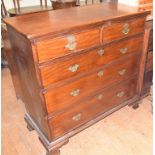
(123, 29)
(61, 70)
(103, 101)
(60, 46)
(70, 93)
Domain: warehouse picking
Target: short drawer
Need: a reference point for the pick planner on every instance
(70, 67)
(123, 29)
(72, 92)
(60, 46)
(86, 111)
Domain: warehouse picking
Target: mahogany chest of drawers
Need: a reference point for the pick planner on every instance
(75, 66)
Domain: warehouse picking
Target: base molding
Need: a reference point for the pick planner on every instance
(53, 148)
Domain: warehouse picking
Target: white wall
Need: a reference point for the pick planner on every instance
(129, 2)
(9, 3)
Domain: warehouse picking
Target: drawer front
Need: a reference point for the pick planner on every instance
(124, 29)
(68, 94)
(58, 47)
(84, 112)
(85, 62)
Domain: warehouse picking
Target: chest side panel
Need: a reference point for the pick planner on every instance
(24, 62)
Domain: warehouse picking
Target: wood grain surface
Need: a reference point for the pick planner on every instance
(121, 130)
(87, 110)
(53, 48)
(40, 42)
(55, 71)
(30, 92)
(117, 30)
(60, 97)
(49, 22)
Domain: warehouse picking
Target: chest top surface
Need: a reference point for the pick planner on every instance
(44, 23)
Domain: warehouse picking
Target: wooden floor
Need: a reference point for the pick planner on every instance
(125, 132)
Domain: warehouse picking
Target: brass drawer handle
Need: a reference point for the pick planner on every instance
(122, 72)
(75, 92)
(101, 52)
(100, 73)
(123, 50)
(76, 117)
(125, 28)
(120, 94)
(73, 68)
(71, 43)
(100, 96)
